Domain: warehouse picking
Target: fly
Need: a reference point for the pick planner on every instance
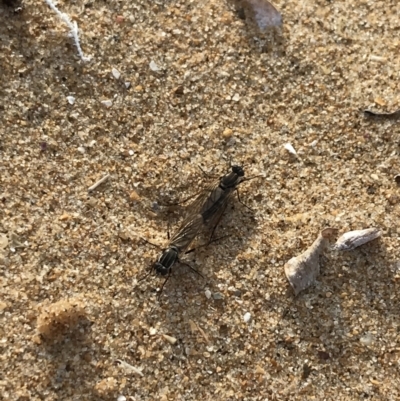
(177, 246)
(206, 210)
(212, 202)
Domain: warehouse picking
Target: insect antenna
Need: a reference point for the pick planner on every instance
(150, 243)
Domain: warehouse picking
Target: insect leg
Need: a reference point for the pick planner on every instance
(191, 268)
(146, 275)
(237, 193)
(162, 287)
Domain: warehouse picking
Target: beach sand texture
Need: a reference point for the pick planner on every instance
(173, 86)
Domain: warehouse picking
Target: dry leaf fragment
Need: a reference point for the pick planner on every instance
(352, 239)
(302, 270)
(389, 116)
(262, 12)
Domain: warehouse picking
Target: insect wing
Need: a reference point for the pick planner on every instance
(188, 230)
(202, 202)
(212, 215)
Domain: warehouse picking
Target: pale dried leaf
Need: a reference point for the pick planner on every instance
(352, 239)
(302, 270)
(263, 13)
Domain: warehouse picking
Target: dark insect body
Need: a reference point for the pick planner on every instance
(205, 211)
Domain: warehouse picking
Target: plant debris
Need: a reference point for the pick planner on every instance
(353, 239)
(388, 116)
(128, 367)
(260, 12)
(302, 270)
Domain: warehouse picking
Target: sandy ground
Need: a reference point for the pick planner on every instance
(219, 94)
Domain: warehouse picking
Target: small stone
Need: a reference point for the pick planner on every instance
(134, 196)
(71, 99)
(65, 217)
(247, 317)
(380, 101)
(179, 90)
(139, 88)
(127, 84)
(208, 294)
(153, 331)
(227, 133)
(116, 74)
(375, 177)
(121, 398)
(236, 97)
(154, 67)
(328, 294)
(81, 149)
(218, 295)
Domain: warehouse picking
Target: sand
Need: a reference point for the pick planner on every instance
(173, 86)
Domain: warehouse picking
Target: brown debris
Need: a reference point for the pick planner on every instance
(382, 116)
(302, 270)
(261, 12)
(56, 318)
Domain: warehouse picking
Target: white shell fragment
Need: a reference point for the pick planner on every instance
(128, 367)
(247, 317)
(290, 148)
(70, 99)
(154, 67)
(171, 340)
(116, 74)
(352, 239)
(107, 103)
(302, 270)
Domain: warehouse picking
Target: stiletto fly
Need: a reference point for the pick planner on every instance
(177, 246)
(205, 211)
(213, 200)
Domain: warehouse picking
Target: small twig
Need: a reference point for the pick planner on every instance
(98, 183)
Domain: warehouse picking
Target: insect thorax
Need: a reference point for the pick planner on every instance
(165, 262)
